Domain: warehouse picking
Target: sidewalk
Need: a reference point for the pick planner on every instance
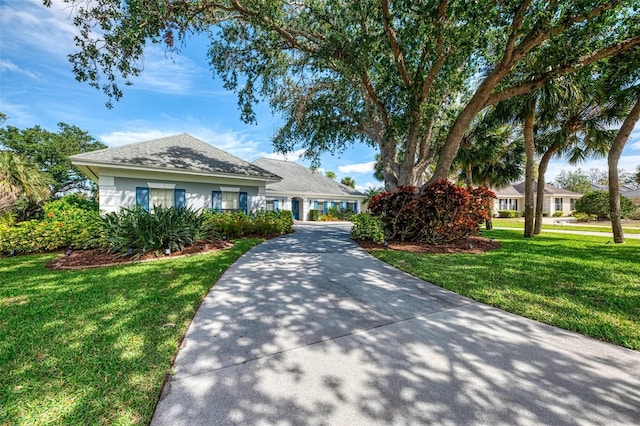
(308, 329)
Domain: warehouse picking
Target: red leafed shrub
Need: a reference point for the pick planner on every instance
(442, 213)
(390, 207)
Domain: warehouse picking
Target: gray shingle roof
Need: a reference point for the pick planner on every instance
(178, 152)
(299, 180)
(518, 190)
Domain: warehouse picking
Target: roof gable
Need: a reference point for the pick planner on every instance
(176, 153)
(298, 179)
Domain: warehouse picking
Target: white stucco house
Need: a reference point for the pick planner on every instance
(555, 199)
(301, 190)
(177, 170)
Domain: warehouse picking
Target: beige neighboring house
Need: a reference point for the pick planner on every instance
(177, 171)
(301, 190)
(555, 199)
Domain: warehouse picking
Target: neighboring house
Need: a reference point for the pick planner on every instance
(177, 170)
(555, 199)
(301, 190)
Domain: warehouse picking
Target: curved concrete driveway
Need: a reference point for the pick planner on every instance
(308, 329)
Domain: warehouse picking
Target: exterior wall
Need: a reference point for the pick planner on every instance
(117, 191)
(549, 205)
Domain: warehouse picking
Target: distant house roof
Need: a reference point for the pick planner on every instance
(517, 190)
(179, 153)
(299, 180)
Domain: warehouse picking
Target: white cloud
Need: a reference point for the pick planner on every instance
(166, 73)
(18, 115)
(8, 66)
(41, 28)
(368, 185)
(290, 156)
(634, 138)
(358, 168)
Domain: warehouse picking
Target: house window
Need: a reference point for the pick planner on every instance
(147, 198)
(572, 204)
(225, 201)
(273, 205)
(502, 204)
(558, 204)
(230, 201)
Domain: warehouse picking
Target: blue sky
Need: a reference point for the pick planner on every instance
(173, 95)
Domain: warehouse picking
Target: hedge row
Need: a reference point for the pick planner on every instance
(68, 224)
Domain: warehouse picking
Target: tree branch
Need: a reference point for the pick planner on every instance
(586, 60)
(393, 41)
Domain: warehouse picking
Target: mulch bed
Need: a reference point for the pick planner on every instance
(474, 245)
(83, 259)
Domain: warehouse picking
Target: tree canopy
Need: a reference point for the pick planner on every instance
(405, 77)
(49, 152)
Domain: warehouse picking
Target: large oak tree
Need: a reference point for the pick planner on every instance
(405, 76)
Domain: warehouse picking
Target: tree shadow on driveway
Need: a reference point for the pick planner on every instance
(310, 329)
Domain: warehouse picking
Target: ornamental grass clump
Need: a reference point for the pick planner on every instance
(441, 213)
(172, 228)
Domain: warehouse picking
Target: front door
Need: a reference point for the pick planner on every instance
(295, 204)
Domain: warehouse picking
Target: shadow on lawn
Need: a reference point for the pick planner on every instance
(375, 345)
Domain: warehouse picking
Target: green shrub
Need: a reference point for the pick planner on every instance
(597, 203)
(313, 215)
(558, 214)
(367, 227)
(167, 228)
(634, 215)
(66, 224)
(267, 223)
(508, 214)
(228, 225)
(584, 217)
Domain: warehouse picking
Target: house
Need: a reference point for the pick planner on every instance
(301, 190)
(555, 199)
(177, 170)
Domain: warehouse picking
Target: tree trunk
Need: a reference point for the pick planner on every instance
(542, 170)
(529, 173)
(614, 184)
(468, 176)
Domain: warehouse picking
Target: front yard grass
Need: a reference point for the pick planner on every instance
(632, 227)
(93, 346)
(576, 282)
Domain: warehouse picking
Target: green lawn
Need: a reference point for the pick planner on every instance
(91, 347)
(575, 282)
(519, 223)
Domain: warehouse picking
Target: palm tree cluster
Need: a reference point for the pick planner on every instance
(586, 115)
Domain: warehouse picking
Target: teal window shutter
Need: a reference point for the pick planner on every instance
(142, 198)
(341, 205)
(179, 198)
(315, 205)
(216, 201)
(275, 205)
(355, 207)
(243, 201)
(325, 207)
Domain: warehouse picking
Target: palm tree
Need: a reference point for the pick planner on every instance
(20, 180)
(492, 155)
(348, 181)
